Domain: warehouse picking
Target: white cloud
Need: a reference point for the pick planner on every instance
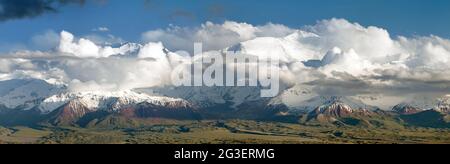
(89, 86)
(213, 36)
(117, 74)
(349, 62)
(101, 29)
(153, 50)
(84, 47)
(432, 52)
(370, 43)
(349, 58)
(5, 66)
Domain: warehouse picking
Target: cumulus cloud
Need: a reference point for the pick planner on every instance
(114, 74)
(370, 43)
(85, 47)
(432, 52)
(83, 65)
(88, 74)
(213, 36)
(334, 57)
(80, 48)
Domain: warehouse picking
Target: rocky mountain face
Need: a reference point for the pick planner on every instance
(69, 113)
(405, 109)
(337, 112)
(126, 104)
(338, 109)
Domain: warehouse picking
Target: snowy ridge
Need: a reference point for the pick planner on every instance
(301, 99)
(405, 109)
(107, 100)
(440, 104)
(25, 93)
(334, 106)
(295, 98)
(206, 97)
(341, 105)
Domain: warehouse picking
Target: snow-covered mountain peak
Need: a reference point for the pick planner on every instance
(430, 102)
(300, 99)
(211, 96)
(335, 106)
(405, 109)
(106, 100)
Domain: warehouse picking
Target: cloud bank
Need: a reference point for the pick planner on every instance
(333, 57)
(213, 36)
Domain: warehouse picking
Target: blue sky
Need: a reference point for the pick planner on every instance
(129, 19)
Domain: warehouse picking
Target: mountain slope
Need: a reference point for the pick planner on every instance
(206, 97)
(69, 113)
(101, 100)
(29, 102)
(406, 109)
(312, 103)
(89, 106)
(337, 112)
(178, 110)
(25, 94)
(429, 119)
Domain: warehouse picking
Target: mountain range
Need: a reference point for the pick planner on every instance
(31, 102)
